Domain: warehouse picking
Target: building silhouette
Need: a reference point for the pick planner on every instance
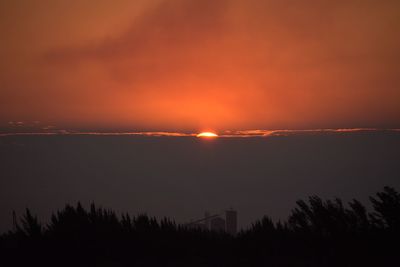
(223, 222)
(217, 224)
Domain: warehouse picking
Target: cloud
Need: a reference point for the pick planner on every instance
(267, 133)
(231, 64)
(225, 134)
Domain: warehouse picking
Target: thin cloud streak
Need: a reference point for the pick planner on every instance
(226, 134)
(250, 133)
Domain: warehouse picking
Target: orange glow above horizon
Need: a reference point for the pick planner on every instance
(185, 65)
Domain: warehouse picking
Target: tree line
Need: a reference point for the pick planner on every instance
(317, 233)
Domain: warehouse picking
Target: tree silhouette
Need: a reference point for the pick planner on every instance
(386, 209)
(317, 233)
(31, 227)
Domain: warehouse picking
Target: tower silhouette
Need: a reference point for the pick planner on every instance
(14, 221)
(231, 221)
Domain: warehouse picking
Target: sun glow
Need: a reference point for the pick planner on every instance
(207, 135)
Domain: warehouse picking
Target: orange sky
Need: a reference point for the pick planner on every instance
(194, 65)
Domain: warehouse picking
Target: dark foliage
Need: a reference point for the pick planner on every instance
(317, 233)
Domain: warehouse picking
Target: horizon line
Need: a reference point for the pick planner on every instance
(224, 134)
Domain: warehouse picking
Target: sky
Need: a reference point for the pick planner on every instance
(102, 100)
(192, 65)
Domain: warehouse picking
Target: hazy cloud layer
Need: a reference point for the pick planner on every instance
(225, 64)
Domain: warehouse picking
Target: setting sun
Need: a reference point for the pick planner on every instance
(207, 134)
